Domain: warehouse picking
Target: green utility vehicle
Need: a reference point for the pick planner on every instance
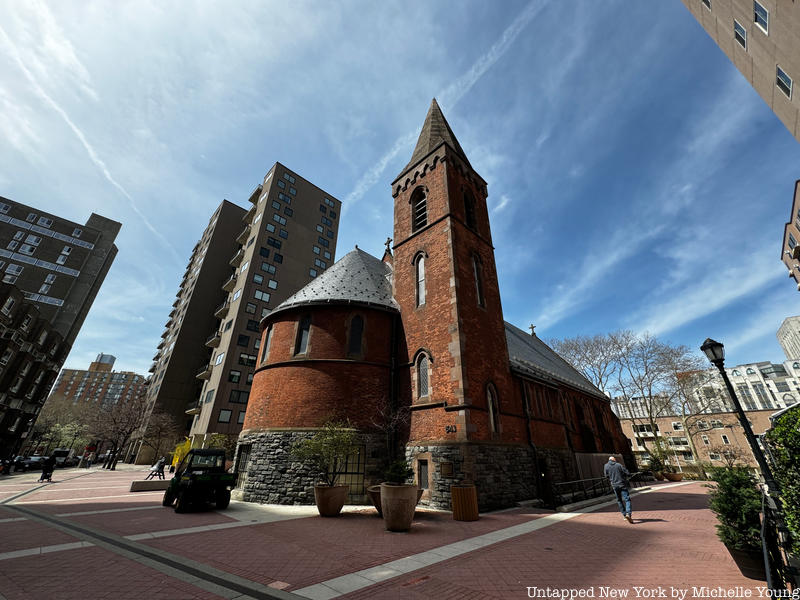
(200, 478)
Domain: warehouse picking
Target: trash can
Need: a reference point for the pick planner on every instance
(464, 498)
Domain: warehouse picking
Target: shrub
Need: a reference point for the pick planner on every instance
(736, 501)
(398, 471)
(784, 442)
(328, 450)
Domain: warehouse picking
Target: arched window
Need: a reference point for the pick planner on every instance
(423, 379)
(267, 341)
(477, 271)
(419, 269)
(469, 210)
(796, 365)
(736, 372)
(494, 410)
(356, 333)
(751, 372)
(788, 399)
(303, 331)
(419, 209)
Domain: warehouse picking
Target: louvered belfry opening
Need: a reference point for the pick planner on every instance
(419, 210)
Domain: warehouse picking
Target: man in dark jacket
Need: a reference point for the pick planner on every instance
(618, 477)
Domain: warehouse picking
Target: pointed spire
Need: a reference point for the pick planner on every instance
(435, 130)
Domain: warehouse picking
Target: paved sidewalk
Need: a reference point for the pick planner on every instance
(86, 536)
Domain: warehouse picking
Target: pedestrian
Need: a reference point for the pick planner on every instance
(48, 464)
(618, 477)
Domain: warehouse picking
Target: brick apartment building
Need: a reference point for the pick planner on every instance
(422, 330)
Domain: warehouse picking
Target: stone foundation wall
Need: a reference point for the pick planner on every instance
(503, 474)
(274, 477)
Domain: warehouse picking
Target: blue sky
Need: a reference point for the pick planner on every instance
(635, 178)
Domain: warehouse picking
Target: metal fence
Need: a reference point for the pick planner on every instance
(566, 492)
(775, 543)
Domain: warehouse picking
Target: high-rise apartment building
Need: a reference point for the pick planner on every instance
(247, 262)
(52, 270)
(790, 249)
(99, 385)
(789, 337)
(759, 37)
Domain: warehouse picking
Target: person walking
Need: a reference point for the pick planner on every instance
(618, 477)
(48, 465)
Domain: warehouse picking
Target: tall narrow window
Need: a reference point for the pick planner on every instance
(356, 332)
(477, 270)
(469, 210)
(265, 353)
(420, 274)
(423, 389)
(419, 209)
(761, 16)
(491, 403)
(301, 344)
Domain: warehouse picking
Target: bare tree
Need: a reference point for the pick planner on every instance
(594, 356)
(162, 432)
(730, 454)
(116, 423)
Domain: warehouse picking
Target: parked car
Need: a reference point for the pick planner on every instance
(65, 457)
(32, 462)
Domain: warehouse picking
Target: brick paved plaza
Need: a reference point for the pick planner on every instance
(86, 536)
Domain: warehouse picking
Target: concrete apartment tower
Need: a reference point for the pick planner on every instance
(760, 37)
(52, 270)
(248, 262)
(789, 337)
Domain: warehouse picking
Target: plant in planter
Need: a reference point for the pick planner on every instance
(657, 467)
(398, 499)
(328, 451)
(737, 503)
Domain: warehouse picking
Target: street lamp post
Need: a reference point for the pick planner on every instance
(715, 352)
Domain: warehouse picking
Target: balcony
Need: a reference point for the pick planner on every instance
(177, 301)
(205, 372)
(242, 237)
(152, 368)
(194, 409)
(248, 216)
(237, 258)
(162, 344)
(230, 283)
(222, 310)
(213, 340)
(156, 357)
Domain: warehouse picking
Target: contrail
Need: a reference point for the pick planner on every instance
(449, 97)
(82, 138)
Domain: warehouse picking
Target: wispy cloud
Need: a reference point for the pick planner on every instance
(712, 291)
(762, 324)
(12, 51)
(449, 97)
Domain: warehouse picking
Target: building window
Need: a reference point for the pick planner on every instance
(419, 209)
(707, 4)
(422, 474)
(236, 295)
(243, 340)
(716, 424)
(423, 380)
(209, 396)
(477, 271)
(234, 376)
(250, 308)
(420, 278)
(725, 440)
(714, 456)
(258, 279)
(278, 258)
(259, 295)
(677, 426)
(219, 358)
(705, 439)
(491, 402)
(247, 360)
(224, 416)
(312, 273)
(268, 268)
(750, 371)
(272, 284)
(761, 16)
(239, 396)
(469, 210)
(77, 232)
(303, 331)
(740, 34)
(240, 420)
(267, 343)
(356, 333)
(783, 81)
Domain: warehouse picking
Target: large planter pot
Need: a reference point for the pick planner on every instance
(374, 493)
(330, 500)
(750, 563)
(398, 503)
(658, 475)
(674, 476)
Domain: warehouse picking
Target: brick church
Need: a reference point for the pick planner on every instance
(412, 348)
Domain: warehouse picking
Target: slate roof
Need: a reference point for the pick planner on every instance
(356, 278)
(531, 356)
(435, 130)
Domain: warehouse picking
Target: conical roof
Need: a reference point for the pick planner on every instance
(435, 131)
(356, 278)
